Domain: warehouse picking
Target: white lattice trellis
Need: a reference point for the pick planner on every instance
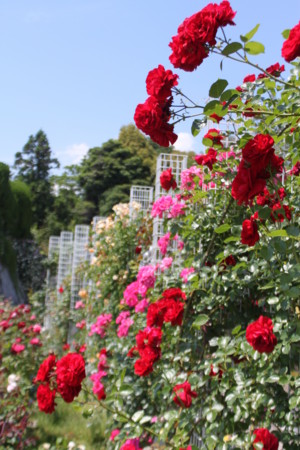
(143, 195)
(177, 163)
(65, 257)
(80, 255)
(51, 279)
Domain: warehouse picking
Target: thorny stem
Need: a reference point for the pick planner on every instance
(178, 91)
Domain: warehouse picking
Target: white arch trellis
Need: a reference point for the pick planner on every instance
(143, 195)
(80, 255)
(65, 257)
(177, 163)
(51, 279)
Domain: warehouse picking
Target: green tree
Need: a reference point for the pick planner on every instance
(34, 164)
(107, 172)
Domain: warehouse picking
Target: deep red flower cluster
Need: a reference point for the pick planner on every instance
(208, 159)
(255, 167)
(269, 440)
(274, 69)
(167, 180)
(184, 394)
(249, 235)
(215, 136)
(63, 376)
(197, 33)
(153, 115)
(274, 202)
(291, 46)
(148, 346)
(260, 335)
(167, 309)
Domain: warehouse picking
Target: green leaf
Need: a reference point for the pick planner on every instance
(201, 320)
(223, 228)
(286, 33)
(138, 415)
(228, 94)
(232, 48)
(278, 233)
(217, 88)
(232, 239)
(250, 34)
(236, 329)
(197, 125)
(209, 108)
(254, 48)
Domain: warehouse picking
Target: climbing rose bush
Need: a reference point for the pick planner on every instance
(199, 348)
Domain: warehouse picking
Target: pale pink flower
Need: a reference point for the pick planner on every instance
(154, 419)
(101, 323)
(226, 155)
(122, 316)
(186, 272)
(166, 263)
(36, 328)
(163, 243)
(36, 341)
(187, 178)
(123, 328)
(79, 304)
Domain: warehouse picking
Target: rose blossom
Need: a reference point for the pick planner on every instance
(263, 436)
(260, 336)
(113, 434)
(146, 279)
(186, 272)
(17, 348)
(70, 372)
(142, 305)
(79, 304)
(291, 46)
(167, 180)
(187, 178)
(163, 243)
(249, 235)
(45, 398)
(184, 394)
(159, 82)
(131, 294)
(165, 264)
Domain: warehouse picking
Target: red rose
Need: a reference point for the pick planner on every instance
(184, 394)
(70, 372)
(249, 79)
(156, 313)
(151, 117)
(291, 47)
(207, 160)
(262, 435)
(175, 293)
(296, 169)
(45, 398)
(258, 152)
(187, 54)
(159, 83)
(143, 367)
(46, 368)
(149, 336)
(275, 69)
(61, 290)
(246, 185)
(249, 235)
(138, 250)
(215, 136)
(174, 312)
(260, 335)
(167, 180)
(215, 117)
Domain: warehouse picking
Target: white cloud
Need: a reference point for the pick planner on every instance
(185, 142)
(73, 154)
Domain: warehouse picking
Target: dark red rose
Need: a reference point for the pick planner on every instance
(70, 369)
(143, 367)
(246, 185)
(249, 79)
(215, 117)
(151, 117)
(68, 393)
(184, 394)
(174, 312)
(45, 398)
(275, 69)
(260, 335)
(167, 180)
(225, 14)
(187, 54)
(291, 47)
(46, 369)
(138, 250)
(132, 352)
(269, 440)
(249, 235)
(175, 293)
(159, 83)
(258, 152)
(61, 290)
(296, 169)
(207, 160)
(149, 336)
(276, 164)
(215, 136)
(156, 313)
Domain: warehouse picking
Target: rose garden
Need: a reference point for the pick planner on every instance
(175, 321)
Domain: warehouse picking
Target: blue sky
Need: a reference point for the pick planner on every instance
(77, 68)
